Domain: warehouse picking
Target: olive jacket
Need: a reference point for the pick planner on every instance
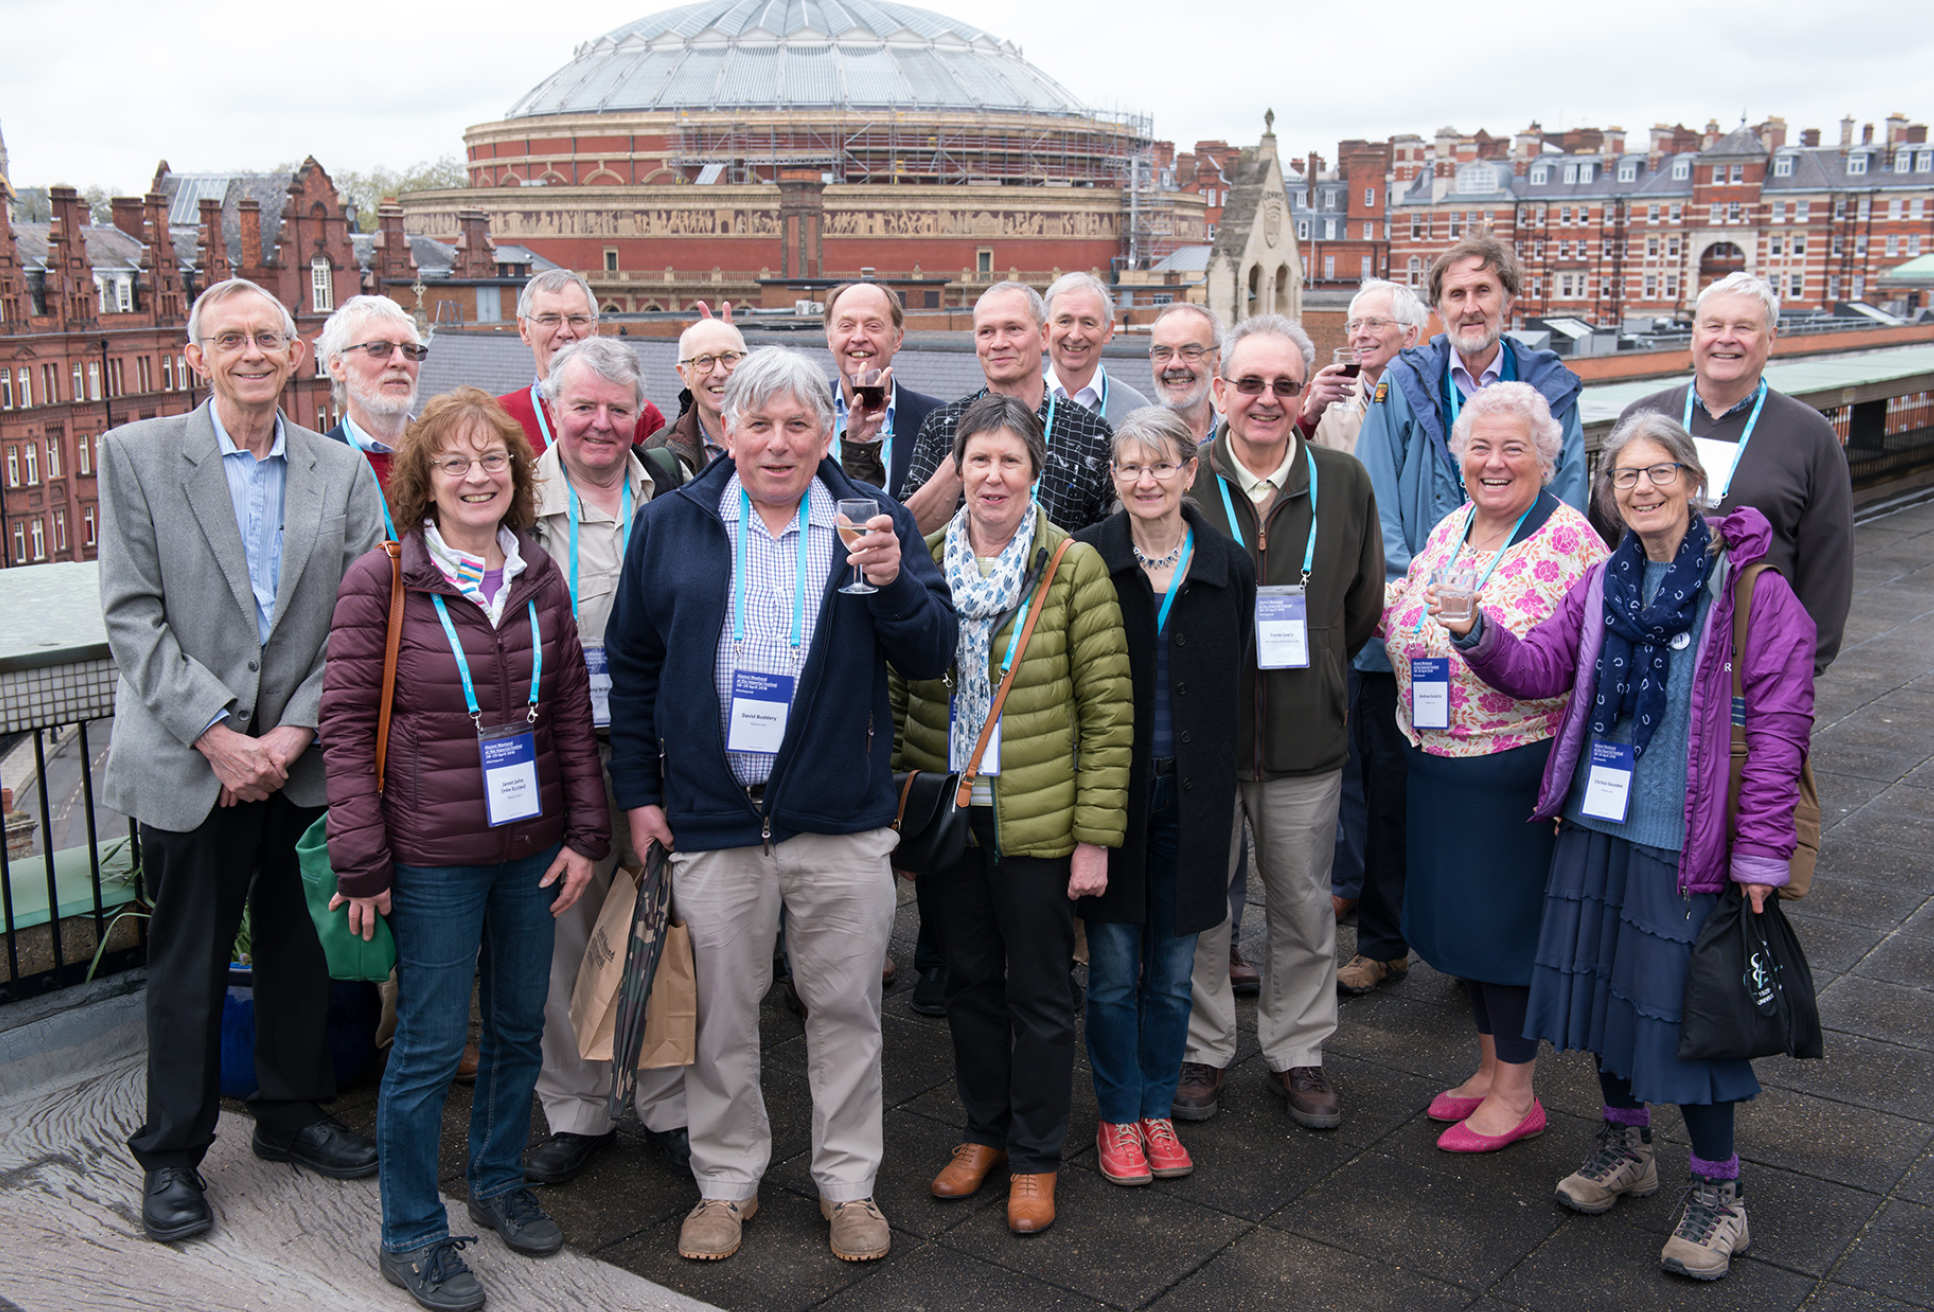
(1068, 726)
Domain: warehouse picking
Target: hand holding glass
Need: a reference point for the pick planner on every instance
(1346, 356)
(853, 517)
(1456, 594)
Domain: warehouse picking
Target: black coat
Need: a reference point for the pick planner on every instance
(1209, 634)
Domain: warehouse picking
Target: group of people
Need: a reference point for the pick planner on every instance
(1325, 625)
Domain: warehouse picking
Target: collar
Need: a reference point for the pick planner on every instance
(554, 490)
(1744, 402)
(819, 504)
(465, 572)
(1089, 395)
(226, 444)
(1492, 371)
(361, 440)
(1275, 481)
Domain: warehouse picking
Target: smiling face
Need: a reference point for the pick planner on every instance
(471, 504)
(1473, 305)
(1651, 511)
(1150, 479)
(596, 419)
(1378, 337)
(556, 320)
(381, 386)
(1182, 383)
(860, 333)
(1260, 424)
(243, 374)
(1007, 339)
(1079, 325)
(713, 340)
(777, 449)
(1730, 341)
(1502, 471)
(996, 477)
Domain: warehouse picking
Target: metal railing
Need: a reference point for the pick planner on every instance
(73, 903)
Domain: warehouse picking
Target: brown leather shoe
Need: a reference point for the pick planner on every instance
(1030, 1203)
(1345, 908)
(888, 972)
(1198, 1095)
(467, 1064)
(1312, 1099)
(963, 1176)
(1245, 981)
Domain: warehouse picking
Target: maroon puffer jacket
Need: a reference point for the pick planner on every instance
(431, 810)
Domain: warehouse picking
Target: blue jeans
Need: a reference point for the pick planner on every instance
(1138, 985)
(444, 917)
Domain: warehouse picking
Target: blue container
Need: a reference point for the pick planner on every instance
(354, 1009)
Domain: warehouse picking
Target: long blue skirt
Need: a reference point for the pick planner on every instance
(1610, 973)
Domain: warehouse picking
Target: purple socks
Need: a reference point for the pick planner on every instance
(1639, 1116)
(1726, 1170)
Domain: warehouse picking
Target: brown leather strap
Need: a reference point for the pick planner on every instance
(392, 644)
(966, 791)
(906, 791)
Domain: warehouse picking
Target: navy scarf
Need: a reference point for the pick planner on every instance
(1636, 655)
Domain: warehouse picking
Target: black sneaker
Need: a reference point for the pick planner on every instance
(562, 1156)
(675, 1143)
(520, 1221)
(930, 993)
(434, 1275)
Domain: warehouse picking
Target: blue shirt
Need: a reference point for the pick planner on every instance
(257, 487)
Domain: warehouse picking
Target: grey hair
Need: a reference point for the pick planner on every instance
(353, 313)
(1081, 282)
(995, 413)
(1653, 427)
(1213, 319)
(226, 288)
(770, 373)
(1035, 305)
(1271, 325)
(1405, 308)
(1519, 401)
(555, 280)
(1744, 284)
(1155, 428)
(606, 357)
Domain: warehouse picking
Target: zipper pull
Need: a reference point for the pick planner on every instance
(765, 834)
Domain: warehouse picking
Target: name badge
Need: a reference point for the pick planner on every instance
(990, 760)
(760, 705)
(1430, 692)
(1719, 457)
(599, 669)
(1282, 628)
(509, 773)
(1608, 782)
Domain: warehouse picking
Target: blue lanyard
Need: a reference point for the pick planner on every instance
(1685, 422)
(463, 666)
(1014, 638)
(537, 408)
(798, 578)
(389, 526)
(624, 530)
(886, 432)
(1465, 536)
(1309, 547)
(1175, 581)
(1047, 444)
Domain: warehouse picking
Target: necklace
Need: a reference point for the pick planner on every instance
(1156, 562)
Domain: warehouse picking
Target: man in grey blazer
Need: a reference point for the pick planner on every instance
(224, 536)
(1081, 320)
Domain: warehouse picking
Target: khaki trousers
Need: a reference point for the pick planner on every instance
(1294, 822)
(837, 890)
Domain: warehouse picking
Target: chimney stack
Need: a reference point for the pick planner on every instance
(1866, 134)
(475, 256)
(213, 244)
(249, 213)
(393, 259)
(1846, 131)
(1896, 129)
(164, 273)
(1809, 136)
(127, 215)
(69, 276)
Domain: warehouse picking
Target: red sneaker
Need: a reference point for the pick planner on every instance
(1167, 1158)
(1119, 1149)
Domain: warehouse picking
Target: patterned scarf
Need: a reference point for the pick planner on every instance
(980, 603)
(466, 572)
(1636, 655)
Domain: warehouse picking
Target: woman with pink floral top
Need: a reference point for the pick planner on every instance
(1472, 909)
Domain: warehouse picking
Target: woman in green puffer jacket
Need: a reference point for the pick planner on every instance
(1051, 801)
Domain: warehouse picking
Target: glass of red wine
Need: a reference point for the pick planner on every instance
(869, 389)
(1346, 357)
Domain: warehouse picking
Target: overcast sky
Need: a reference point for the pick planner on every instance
(224, 85)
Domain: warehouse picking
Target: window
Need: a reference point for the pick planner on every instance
(1652, 248)
(1540, 175)
(1564, 214)
(1329, 267)
(100, 294)
(1799, 211)
(1776, 244)
(1833, 286)
(84, 453)
(1717, 213)
(1718, 174)
(1778, 212)
(38, 533)
(6, 390)
(1651, 213)
(87, 525)
(53, 457)
(1671, 284)
(167, 373)
(124, 294)
(1903, 160)
(1893, 245)
(1302, 230)
(1797, 285)
(1897, 208)
(32, 461)
(19, 543)
(1860, 286)
(1369, 231)
(182, 380)
(1866, 206)
(93, 380)
(1860, 244)
(1628, 171)
(1651, 286)
(1914, 244)
(1414, 271)
(13, 466)
(1672, 247)
(1923, 161)
(80, 382)
(1538, 250)
(1783, 166)
(1417, 227)
(1737, 173)
(1839, 244)
(1914, 207)
(1733, 212)
(144, 373)
(1329, 229)
(1571, 173)
(60, 531)
(322, 286)
(1681, 169)
(49, 385)
(1363, 267)
(610, 259)
(116, 386)
(1857, 163)
(1585, 172)
(984, 260)
(1369, 198)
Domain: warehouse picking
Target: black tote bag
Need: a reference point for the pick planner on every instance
(1749, 992)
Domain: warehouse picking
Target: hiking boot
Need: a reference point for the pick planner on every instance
(1711, 1229)
(859, 1232)
(520, 1222)
(1312, 1099)
(1621, 1163)
(1167, 1158)
(1361, 973)
(1199, 1093)
(1118, 1150)
(713, 1229)
(434, 1275)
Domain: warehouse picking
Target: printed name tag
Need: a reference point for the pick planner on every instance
(509, 773)
(599, 669)
(1430, 692)
(760, 705)
(990, 760)
(1718, 456)
(1282, 628)
(1608, 782)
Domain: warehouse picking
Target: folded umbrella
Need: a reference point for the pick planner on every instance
(642, 950)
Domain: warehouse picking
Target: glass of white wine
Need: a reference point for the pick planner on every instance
(852, 517)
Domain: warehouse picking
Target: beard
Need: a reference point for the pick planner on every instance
(381, 405)
(1477, 340)
(1189, 400)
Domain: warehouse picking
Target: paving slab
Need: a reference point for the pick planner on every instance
(1895, 1257)
(1268, 1270)
(1601, 1264)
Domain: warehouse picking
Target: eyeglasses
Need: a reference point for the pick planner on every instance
(456, 466)
(1163, 470)
(231, 342)
(1250, 385)
(1191, 353)
(1355, 326)
(706, 363)
(550, 322)
(1656, 475)
(383, 350)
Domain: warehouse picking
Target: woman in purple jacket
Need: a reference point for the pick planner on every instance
(1637, 781)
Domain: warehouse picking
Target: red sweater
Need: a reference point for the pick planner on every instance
(518, 405)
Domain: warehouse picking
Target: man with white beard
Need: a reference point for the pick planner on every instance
(1184, 351)
(373, 353)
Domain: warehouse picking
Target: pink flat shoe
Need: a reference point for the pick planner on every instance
(1450, 1109)
(1461, 1138)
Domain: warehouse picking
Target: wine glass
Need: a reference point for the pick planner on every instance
(851, 521)
(1346, 356)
